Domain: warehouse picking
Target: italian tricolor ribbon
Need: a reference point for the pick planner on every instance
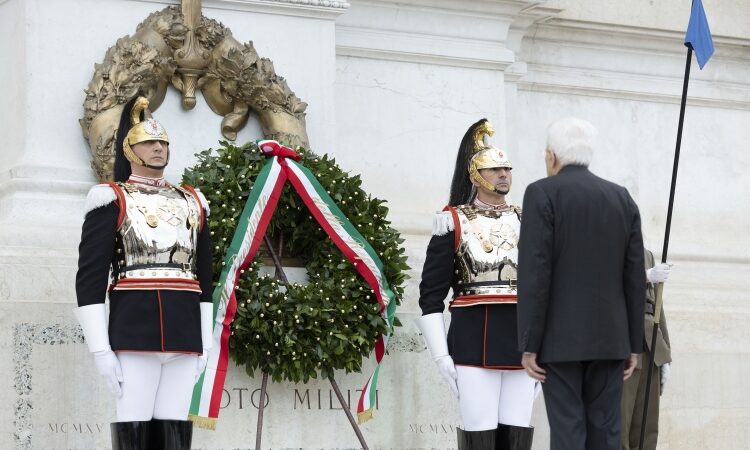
(251, 227)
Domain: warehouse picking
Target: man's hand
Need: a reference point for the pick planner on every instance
(532, 368)
(659, 273)
(665, 371)
(433, 330)
(630, 365)
(448, 371)
(109, 368)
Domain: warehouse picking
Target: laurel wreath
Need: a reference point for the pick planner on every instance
(299, 332)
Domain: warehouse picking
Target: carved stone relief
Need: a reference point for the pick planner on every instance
(178, 46)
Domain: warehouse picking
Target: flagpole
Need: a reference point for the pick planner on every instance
(659, 287)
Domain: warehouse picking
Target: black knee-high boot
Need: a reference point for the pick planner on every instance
(501, 437)
(130, 435)
(171, 434)
(476, 440)
(514, 438)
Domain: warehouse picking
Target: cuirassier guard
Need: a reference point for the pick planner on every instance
(473, 252)
(146, 242)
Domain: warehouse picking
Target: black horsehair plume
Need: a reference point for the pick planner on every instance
(462, 190)
(122, 165)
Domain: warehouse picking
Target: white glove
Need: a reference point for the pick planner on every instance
(666, 371)
(207, 330)
(109, 368)
(659, 273)
(433, 330)
(93, 320)
(448, 371)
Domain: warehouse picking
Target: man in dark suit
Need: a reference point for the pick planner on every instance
(581, 284)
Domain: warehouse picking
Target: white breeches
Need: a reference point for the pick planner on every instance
(155, 386)
(489, 397)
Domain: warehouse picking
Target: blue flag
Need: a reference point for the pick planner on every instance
(698, 36)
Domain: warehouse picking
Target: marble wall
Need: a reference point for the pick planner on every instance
(392, 86)
(621, 67)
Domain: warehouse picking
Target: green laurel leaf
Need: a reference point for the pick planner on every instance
(299, 332)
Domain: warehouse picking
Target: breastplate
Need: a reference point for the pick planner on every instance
(158, 236)
(487, 255)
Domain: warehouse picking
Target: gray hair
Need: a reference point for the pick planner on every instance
(572, 141)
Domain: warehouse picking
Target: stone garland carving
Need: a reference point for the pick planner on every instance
(178, 46)
(25, 337)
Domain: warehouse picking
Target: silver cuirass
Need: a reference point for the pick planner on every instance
(158, 236)
(486, 259)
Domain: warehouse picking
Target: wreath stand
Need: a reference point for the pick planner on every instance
(281, 276)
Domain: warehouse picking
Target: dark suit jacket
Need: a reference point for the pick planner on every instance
(581, 276)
